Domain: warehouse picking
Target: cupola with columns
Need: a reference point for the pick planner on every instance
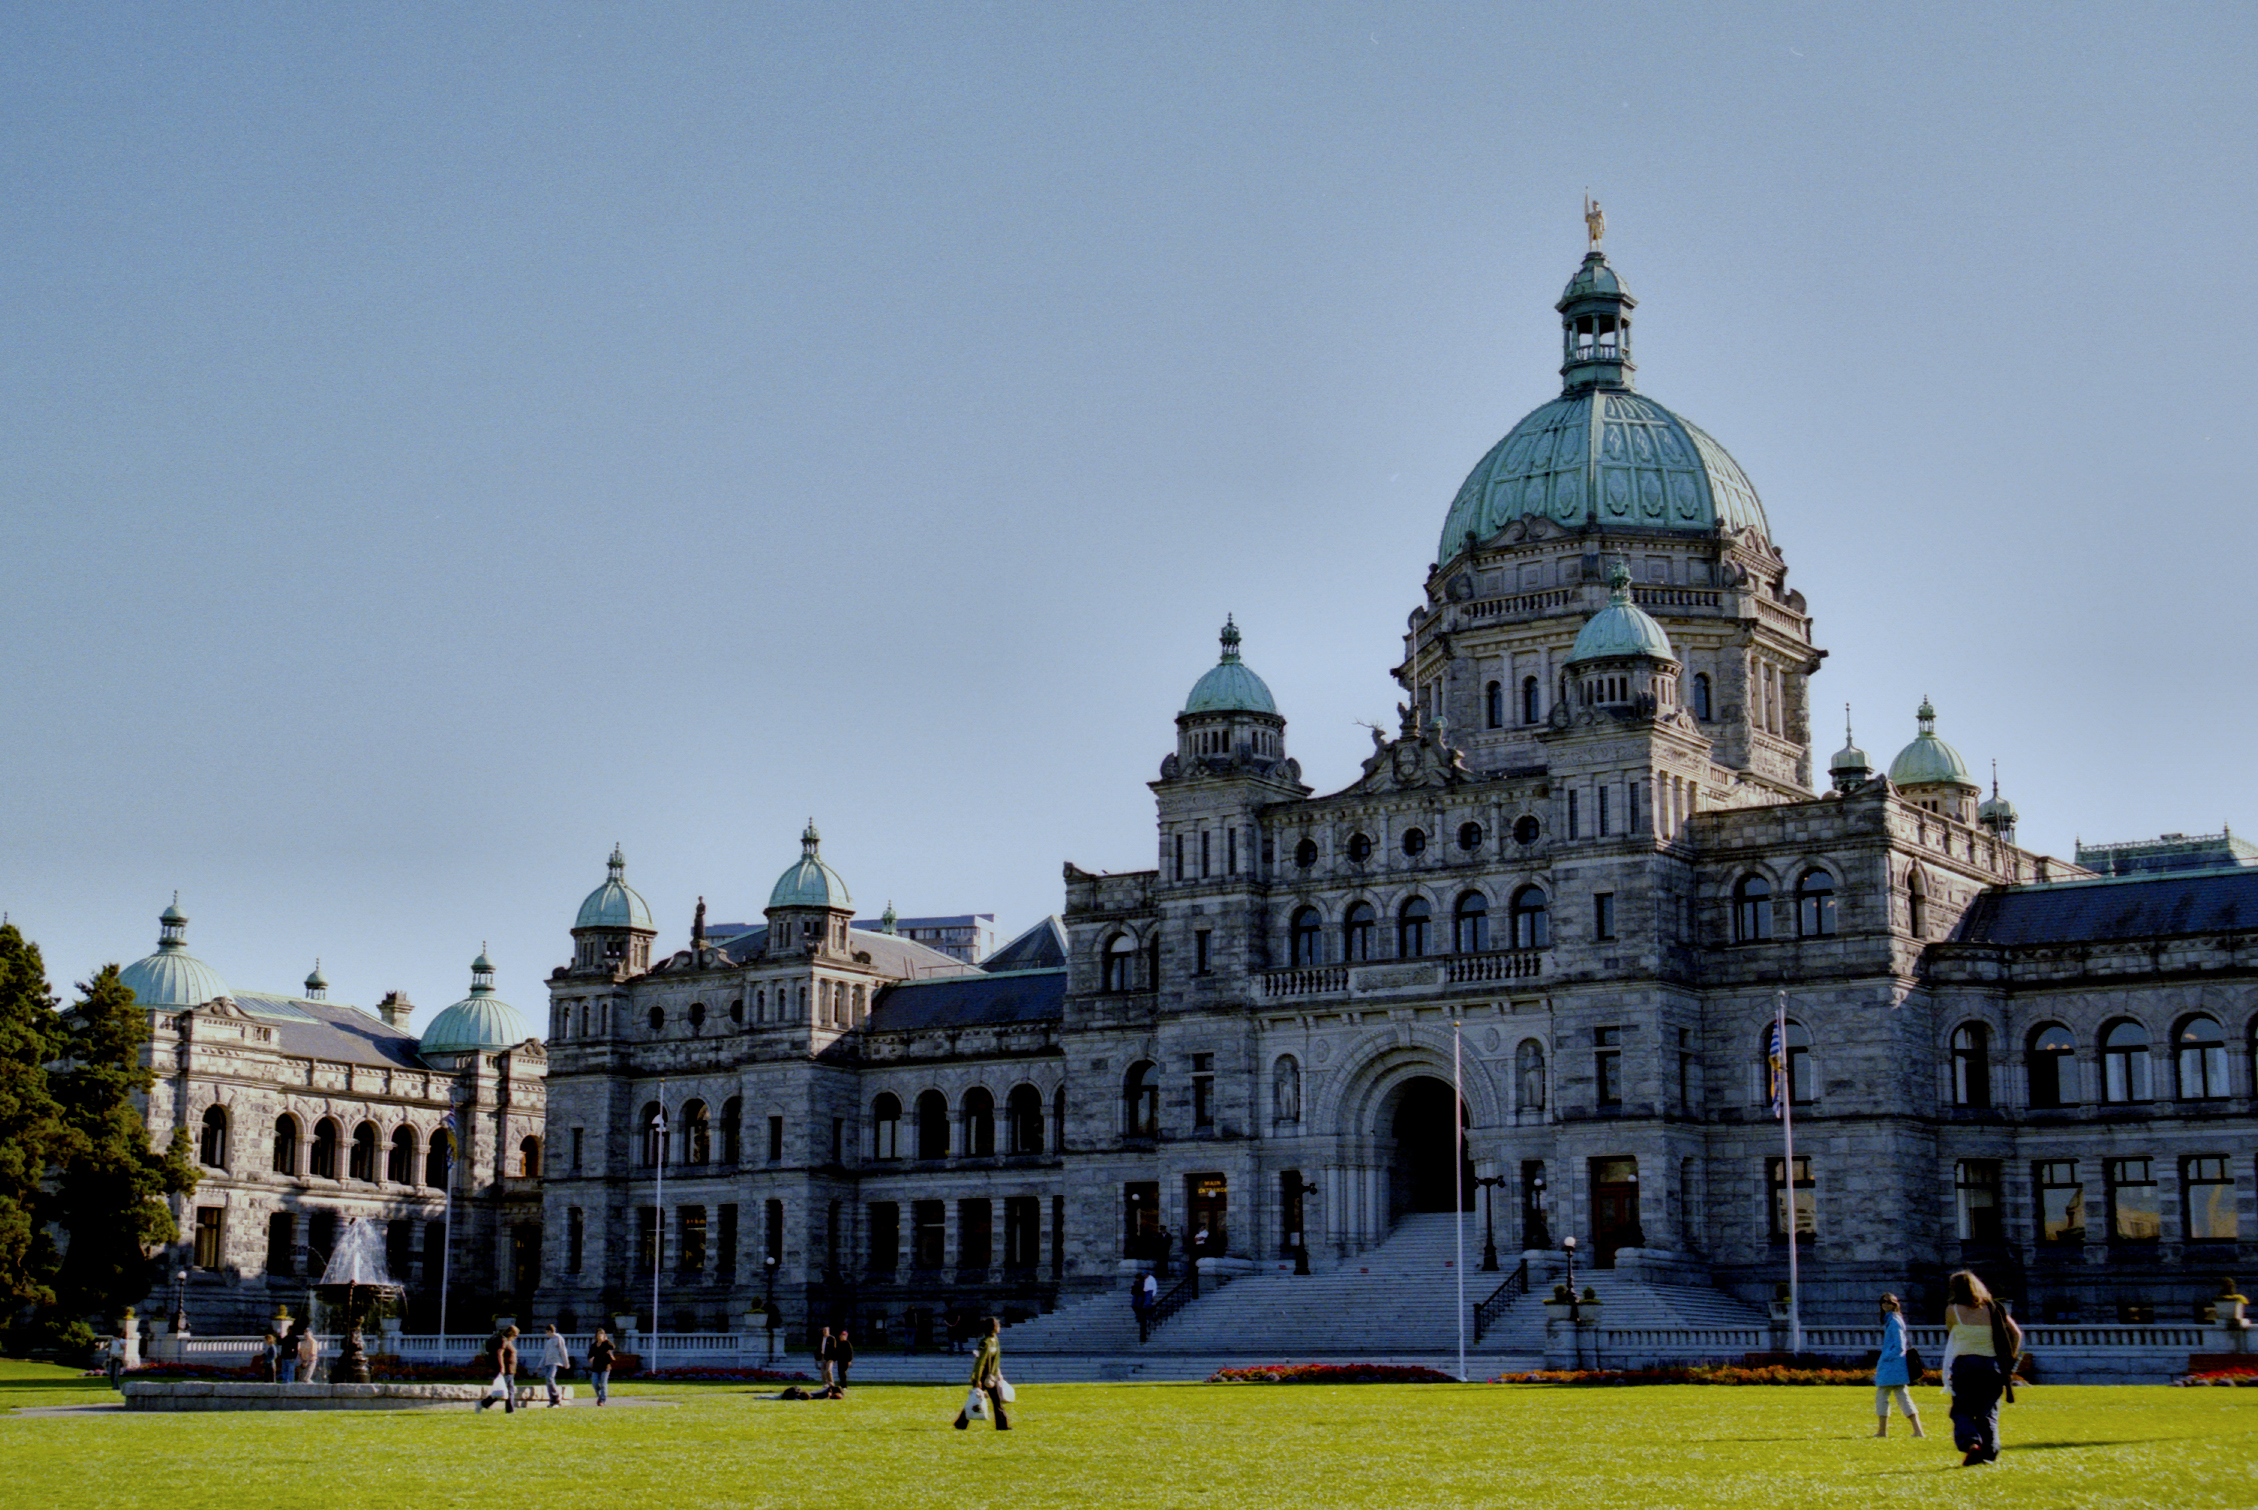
(613, 931)
(809, 908)
(1930, 773)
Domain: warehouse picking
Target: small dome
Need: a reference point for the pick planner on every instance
(1929, 761)
(1995, 810)
(316, 987)
(480, 1020)
(1849, 760)
(1230, 687)
(614, 904)
(1621, 628)
(1594, 277)
(172, 977)
(810, 882)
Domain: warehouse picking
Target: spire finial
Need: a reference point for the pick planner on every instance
(810, 839)
(1230, 639)
(1995, 778)
(1927, 714)
(617, 864)
(1847, 737)
(889, 918)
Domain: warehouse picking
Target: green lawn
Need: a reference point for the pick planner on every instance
(1145, 1444)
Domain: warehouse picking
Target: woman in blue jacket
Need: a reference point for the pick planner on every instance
(1890, 1374)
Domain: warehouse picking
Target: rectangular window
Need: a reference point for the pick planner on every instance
(1231, 851)
(885, 1236)
(1603, 813)
(1976, 1185)
(1023, 1232)
(282, 1257)
(1603, 915)
(209, 1249)
(1631, 807)
(929, 1235)
(725, 1243)
(2135, 1214)
(1806, 1199)
(646, 1239)
(1607, 1065)
(578, 1135)
(321, 1239)
(2061, 1201)
(772, 1217)
(1203, 1090)
(1199, 951)
(1685, 1071)
(434, 1253)
(976, 1241)
(400, 1248)
(1179, 857)
(576, 1238)
(1140, 1206)
(691, 1233)
(838, 1140)
(1206, 846)
(775, 1140)
(2208, 1188)
(1573, 826)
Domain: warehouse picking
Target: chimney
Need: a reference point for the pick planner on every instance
(396, 1009)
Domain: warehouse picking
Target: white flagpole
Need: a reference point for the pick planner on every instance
(1787, 1175)
(1458, 1187)
(658, 1221)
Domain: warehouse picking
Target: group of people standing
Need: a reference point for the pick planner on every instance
(1980, 1353)
(291, 1357)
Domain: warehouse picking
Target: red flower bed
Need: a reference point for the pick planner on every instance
(1716, 1373)
(731, 1375)
(2233, 1378)
(1330, 1373)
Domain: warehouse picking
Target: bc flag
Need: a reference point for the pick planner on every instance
(1778, 1057)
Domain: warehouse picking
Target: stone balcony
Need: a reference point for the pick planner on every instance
(1403, 977)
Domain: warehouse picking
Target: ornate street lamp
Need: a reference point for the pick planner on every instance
(1489, 1183)
(769, 1264)
(179, 1302)
(1568, 1246)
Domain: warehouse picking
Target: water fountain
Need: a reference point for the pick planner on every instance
(355, 1281)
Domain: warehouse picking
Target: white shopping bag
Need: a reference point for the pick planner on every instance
(976, 1405)
(1004, 1391)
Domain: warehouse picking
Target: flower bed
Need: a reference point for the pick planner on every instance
(2232, 1378)
(692, 1374)
(1330, 1373)
(1714, 1373)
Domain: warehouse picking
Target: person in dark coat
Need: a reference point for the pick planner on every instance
(842, 1359)
(602, 1353)
(502, 1347)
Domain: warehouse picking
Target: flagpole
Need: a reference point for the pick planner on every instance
(1458, 1187)
(658, 1220)
(1787, 1174)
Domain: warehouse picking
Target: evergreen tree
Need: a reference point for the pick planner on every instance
(110, 1198)
(30, 1127)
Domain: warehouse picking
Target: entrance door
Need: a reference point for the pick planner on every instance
(1536, 1232)
(1427, 1148)
(1206, 1210)
(1615, 1209)
(1141, 1206)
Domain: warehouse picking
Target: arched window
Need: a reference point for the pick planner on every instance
(1120, 968)
(697, 1015)
(211, 1143)
(1701, 696)
(2201, 1050)
(2124, 1062)
(733, 1131)
(1470, 924)
(1023, 1120)
(2053, 1061)
(1971, 1065)
(1916, 905)
(1359, 848)
(886, 1126)
(1140, 1102)
(1356, 932)
(286, 1144)
(697, 1133)
(1493, 705)
(1532, 919)
(1529, 708)
(1802, 1087)
(362, 1164)
(437, 1158)
(400, 1164)
(1058, 1118)
(1752, 909)
(1308, 937)
(324, 1160)
(1814, 904)
(1411, 928)
(529, 1159)
(1305, 853)
(932, 1125)
(979, 1124)
(648, 1125)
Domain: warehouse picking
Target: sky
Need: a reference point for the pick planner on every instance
(439, 442)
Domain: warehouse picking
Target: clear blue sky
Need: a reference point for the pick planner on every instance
(437, 442)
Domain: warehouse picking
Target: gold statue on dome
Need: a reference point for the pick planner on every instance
(1595, 220)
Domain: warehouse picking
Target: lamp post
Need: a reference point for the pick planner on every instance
(658, 1212)
(179, 1302)
(769, 1264)
(1489, 1183)
(447, 1214)
(1568, 1246)
(1304, 1188)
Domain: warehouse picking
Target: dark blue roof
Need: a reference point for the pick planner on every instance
(1042, 947)
(970, 1001)
(2095, 911)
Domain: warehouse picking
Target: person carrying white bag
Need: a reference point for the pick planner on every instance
(988, 1386)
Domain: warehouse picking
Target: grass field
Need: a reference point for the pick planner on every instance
(1142, 1444)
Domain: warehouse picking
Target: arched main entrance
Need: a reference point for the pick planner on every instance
(1417, 1117)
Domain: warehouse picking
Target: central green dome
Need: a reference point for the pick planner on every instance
(1601, 454)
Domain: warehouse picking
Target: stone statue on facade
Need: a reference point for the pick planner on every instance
(1532, 1074)
(1285, 1090)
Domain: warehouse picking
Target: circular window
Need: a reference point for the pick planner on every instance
(697, 1014)
(658, 1018)
(1360, 848)
(1414, 840)
(1526, 828)
(1305, 853)
(737, 1010)
(1470, 837)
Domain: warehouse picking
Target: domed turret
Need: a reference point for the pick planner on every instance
(615, 904)
(1622, 627)
(1622, 659)
(1230, 721)
(317, 989)
(1230, 686)
(1930, 773)
(1850, 767)
(480, 1022)
(810, 882)
(809, 907)
(613, 931)
(172, 977)
(1997, 813)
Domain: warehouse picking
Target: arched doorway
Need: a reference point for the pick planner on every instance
(1417, 1116)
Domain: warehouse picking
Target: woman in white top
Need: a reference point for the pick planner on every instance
(1974, 1372)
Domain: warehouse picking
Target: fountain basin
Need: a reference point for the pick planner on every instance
(230, 1394)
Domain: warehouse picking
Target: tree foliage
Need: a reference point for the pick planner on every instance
(111, 1190)
(31, 1127)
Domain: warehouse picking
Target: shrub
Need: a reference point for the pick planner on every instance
(1701, 1373)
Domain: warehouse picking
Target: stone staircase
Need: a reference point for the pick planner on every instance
(1628, 1304)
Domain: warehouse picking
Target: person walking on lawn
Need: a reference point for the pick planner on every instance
(554, 1356)
(602, 1353)
(842, 1358)
(1892, 1371)
(823, 1357)
(988, 1377)
(1979, 1367)
(502, 1348)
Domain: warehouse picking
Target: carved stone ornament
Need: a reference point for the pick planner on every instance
(1417, 758)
